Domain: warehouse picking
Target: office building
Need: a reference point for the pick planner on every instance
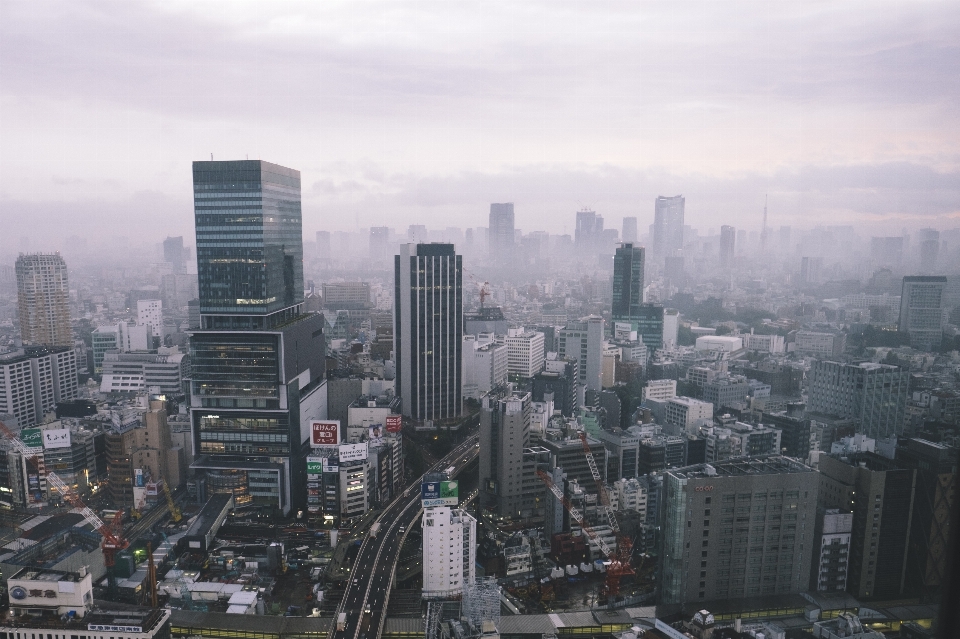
(629, 230)
(150, 313)
(921, 310)
(488, 319)
(873, 394)
(568, 455)
(881, 495)
(589, 232)
(583, 341)
(121, 337)
(795, 433)
(379, 236)
(727, 390)
(525, 354)
(628, 284)
(686, 414)
(164, 372)
(428, 330)
(558, 382)
(728, 246)
(34, 380)
(650, 325)
(662, 389)
(739, 528)
(668, 226)
(820, 344)
(671, 327)
(43, 300)
(174, 254)
(500, 234)
(504, 434)
(622, 447)
(257, 362)
(928, 244)
(449, 551)
(484, 365)
(834, 528)
(346, 296)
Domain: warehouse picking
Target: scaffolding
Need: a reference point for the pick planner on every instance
(481, 602)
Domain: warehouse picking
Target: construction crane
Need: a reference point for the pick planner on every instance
(175, 513)
(113, 539)
(624, 543)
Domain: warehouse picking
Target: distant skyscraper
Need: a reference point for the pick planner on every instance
(588, 232)
(501, 230)
(174, 254)
(929, 247)
(921, 310)
(416, 233)
(258, 357)
(887, 251)
(378, 242)
(728, 246)
(630, 229)
(428, 330)
(43, 300)
(628, 273)
(668, 226)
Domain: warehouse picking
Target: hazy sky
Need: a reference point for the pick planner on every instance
(844, 112)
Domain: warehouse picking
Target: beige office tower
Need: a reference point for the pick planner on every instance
(43, 300)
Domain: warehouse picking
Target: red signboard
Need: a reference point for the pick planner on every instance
(325, 433)
(394, 423)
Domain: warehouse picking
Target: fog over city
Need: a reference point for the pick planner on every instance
(461, 320)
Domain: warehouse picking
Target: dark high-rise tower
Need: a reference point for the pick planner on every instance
(500, 238)
(628, 283)
(43, 300)
(258, 359)
(589, 231)
(668, 226)
(728, 246)
(428, 330)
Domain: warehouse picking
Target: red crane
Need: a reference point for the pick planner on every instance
(112, 533)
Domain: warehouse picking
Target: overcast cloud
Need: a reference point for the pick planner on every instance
(425, 112)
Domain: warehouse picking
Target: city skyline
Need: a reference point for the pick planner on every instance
(841, 117)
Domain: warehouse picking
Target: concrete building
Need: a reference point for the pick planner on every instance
(346, 295)
(558, 383)
(650, 325)
(504, 434)
(820, 344)
(764, 343)
(726, 390)
(686, 414)
(834, 528)
(166, 372)
(740, 528)
(120, 337)
(449, 551)
(921, 310)
(583, 341)
(43, 300)
(568, 454)
(485, 365)
(631, 494)
(671, 327)
(150, 313)
(722, 343)
(874, 394)
(34, 380)
(525, 353)
(881, 496)
(662, 389)
(488, 319)
(428, 331)
(622, 450)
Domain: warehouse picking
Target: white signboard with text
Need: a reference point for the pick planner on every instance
(353, 452)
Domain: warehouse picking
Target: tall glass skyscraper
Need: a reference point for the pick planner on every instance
(258, 359)
(668, 226)
(428, 330)
(628, 283)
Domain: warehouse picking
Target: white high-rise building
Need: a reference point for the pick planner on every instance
(449, 551)
(671, 327)
(525, 354)
(150, 313)
(34, 380)
(583, 341)
(484, 365)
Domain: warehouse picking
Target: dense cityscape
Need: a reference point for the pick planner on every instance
(479, 321)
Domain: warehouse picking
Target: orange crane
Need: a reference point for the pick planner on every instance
(617, 567)
(113, 539)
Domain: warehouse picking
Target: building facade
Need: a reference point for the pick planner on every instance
(668, 226)
(43, 300)
(583, 341)
(428, 330)
(34, 380)
(628, 275)
(258, 359)
(500, 234)
(921, 310)
(449, 551)
(504, 434)
(874, 394)
(525, 353)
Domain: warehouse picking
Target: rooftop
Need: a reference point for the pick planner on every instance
(763, 465)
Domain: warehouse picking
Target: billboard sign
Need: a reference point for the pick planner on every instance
(324, 432)
(138, 479)
(315, 465)
(394, 423)
(330, 466)
(56, 438)
(375, 433)
(32, 437)
(353, 452)
(439, 493)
